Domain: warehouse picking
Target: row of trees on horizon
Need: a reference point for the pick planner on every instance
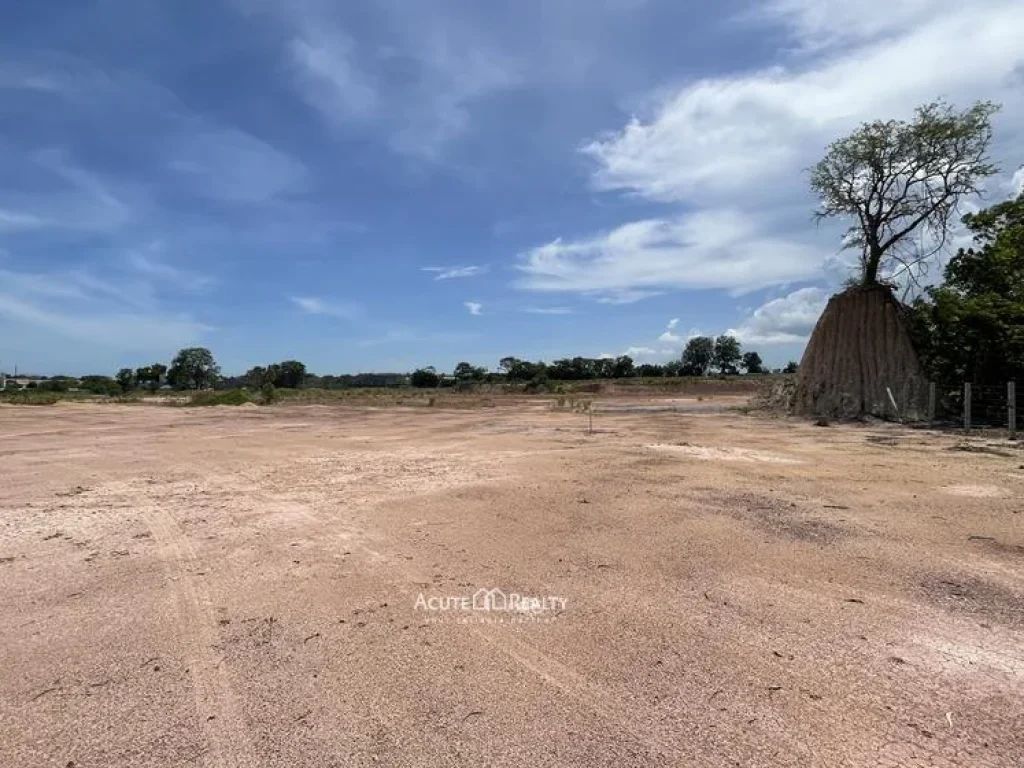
(196, 368)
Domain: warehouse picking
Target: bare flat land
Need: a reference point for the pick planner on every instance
(291, 586)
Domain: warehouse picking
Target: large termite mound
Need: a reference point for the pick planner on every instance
(860, 360)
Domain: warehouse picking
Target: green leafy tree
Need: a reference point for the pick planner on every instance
(256, 377)
(623, 367)
(791, 367)
(673, 368)
(193, 368)
(100, 385)
(650, 371)
(972, 327)
(290, 374)
(425, 377)
(727, 355)
(151, 375)
(894, 178)
(752, 362)
(468, 372)
(520, 370)
(698, 356)
(126, 379)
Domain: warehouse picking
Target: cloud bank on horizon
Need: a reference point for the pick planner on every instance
(290, 178)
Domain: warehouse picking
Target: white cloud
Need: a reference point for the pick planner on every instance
(182, 155)
(227, 164)
(450, 273)
(643, 354)
(344, 310)
(733, 148)
(76, 200)
(549, 310)
(817, 24)
(474, 307)
(14, 221)
(735, 134)
(620, 295)
(786, 320)
(636, 352)
(124, 331)
(77, 305)
(668, 336)
(147, 262)
(446, 66)
(1017, 182)
(328, 78)
(708, 249)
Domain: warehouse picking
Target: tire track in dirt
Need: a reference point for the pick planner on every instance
(589, 694)
(225, 729)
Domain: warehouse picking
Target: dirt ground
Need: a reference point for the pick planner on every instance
(292, 586)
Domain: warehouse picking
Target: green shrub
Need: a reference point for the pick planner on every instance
(30, 397)
(224, 397)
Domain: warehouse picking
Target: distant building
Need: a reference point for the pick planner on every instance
(19, 382)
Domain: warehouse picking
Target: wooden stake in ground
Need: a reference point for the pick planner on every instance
(1011, 408)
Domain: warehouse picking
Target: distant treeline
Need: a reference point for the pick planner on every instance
(195, 368)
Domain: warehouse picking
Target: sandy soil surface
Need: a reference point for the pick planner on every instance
(263, 587)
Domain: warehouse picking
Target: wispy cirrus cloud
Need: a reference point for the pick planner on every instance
(327, 74)
(123, 313)
(337, 308)
(418, 90)
(149, 262)
(14, 221)
(451, 273)
(548, 310)
(227, 164)
(65, 198)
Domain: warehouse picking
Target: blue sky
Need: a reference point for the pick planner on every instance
(388, 185)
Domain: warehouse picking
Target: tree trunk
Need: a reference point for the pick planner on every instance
(859, 351)
(871, 268)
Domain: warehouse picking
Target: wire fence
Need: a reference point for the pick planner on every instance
(975, 406)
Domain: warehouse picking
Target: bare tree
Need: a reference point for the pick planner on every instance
(896, 177)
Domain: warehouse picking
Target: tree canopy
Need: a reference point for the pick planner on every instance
(727, 355)
(698, 356)
(193, 368)
(893, 178)
(752, 363)
(425, 377)
(972, 327)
